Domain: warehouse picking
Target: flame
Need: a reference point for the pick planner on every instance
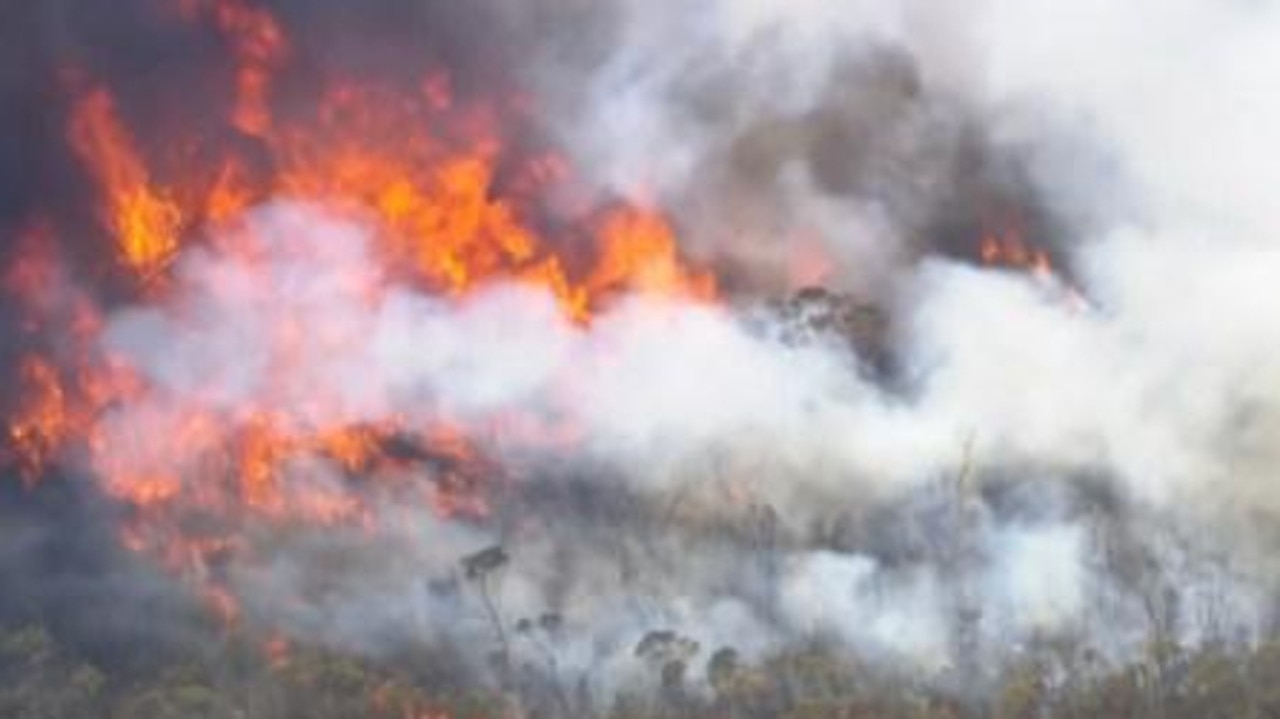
(40, 423)
(1008, 248)
(435, 197)
(640, 254)
(260, 49)
(453, 206)
(144, 220)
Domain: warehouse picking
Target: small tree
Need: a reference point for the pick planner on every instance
(481, 568)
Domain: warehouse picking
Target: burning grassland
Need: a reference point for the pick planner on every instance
(412, 348)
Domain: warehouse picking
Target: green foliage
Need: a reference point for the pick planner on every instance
(1023, 694)
(29, 646)
(40, 678)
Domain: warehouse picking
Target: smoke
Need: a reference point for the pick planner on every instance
(803, 145)
(1045, 456)
(750, 436)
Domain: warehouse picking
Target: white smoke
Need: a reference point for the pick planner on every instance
(1165, 383)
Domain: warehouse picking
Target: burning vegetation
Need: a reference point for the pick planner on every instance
(450, 208)
(401, 361)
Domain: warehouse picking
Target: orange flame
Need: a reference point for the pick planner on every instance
(40, 423)
(144, 220)
(639, 253)
(260, 49)
(1008, 249)
(451, 207)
